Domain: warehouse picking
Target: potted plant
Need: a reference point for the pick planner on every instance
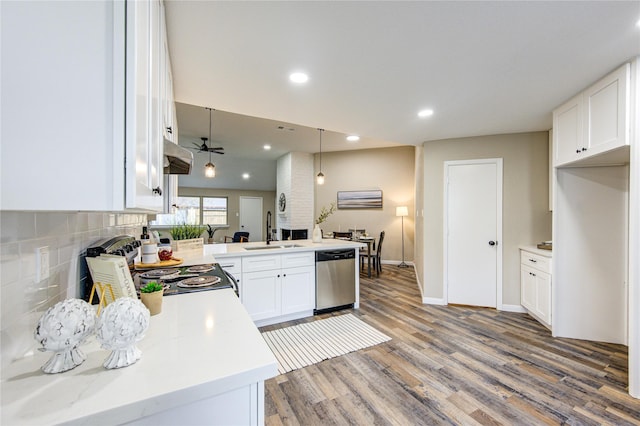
(325, 212)
(210, 232)
(186, 237)
(151, 297)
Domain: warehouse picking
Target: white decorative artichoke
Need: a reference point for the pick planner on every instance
(61, 329)
(120, 326)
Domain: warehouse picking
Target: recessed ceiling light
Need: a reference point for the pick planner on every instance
(245, 176)
(425, 113)
(353, 138)
(298, 77)
(266, 147)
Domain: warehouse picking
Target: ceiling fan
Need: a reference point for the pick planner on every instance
(205, 148)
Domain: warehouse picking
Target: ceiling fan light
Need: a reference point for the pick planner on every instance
(210, 170)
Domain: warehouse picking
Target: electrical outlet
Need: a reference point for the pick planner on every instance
(42, 263)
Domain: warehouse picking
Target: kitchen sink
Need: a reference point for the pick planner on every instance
(273, 246)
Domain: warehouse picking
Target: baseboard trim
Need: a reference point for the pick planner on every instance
(513, 308)
(433, 301)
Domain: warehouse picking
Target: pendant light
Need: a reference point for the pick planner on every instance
(320, 177)
(209, 168)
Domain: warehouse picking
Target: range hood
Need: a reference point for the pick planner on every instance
(177, 160)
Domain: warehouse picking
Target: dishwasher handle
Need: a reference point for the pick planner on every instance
(328, 255)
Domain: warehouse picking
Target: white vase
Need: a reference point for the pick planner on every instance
(316, 237)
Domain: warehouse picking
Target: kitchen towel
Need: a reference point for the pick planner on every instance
(305, 344)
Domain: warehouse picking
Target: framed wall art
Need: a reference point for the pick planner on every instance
(360, 199)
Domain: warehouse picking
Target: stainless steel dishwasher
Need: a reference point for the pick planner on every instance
(335, 280)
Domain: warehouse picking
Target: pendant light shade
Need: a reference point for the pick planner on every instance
(209, 168)
(320, 177)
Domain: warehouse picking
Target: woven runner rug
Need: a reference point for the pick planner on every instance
(309, 343)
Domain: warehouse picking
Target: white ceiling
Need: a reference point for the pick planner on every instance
(484, 67)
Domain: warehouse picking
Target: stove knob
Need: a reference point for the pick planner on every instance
(119, 252)
(128, 248)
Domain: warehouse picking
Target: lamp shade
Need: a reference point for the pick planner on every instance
(402, 211)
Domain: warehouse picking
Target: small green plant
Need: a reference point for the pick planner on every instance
(325, 213)
(151, 287)
(211, 231)
(186, 232)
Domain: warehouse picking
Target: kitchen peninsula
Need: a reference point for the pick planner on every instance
(276, 281)
(203, 361)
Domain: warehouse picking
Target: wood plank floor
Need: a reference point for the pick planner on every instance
(453, 365)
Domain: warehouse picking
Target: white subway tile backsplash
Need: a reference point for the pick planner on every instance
(52, 224)
(9, 262)
(17, 226)
(67, 234)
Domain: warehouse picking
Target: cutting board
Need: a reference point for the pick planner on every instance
(174, 261)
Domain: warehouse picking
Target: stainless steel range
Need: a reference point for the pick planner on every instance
(176, 280)
(187, 279)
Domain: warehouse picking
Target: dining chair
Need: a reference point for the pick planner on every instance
(376, 257)
(238, 237)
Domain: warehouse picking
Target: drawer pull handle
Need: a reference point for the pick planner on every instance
(531, 273)
(533, 260)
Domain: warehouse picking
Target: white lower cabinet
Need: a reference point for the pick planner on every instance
(535, 285)
(277, 288)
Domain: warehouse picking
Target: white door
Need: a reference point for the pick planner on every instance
(473, 232)
(251, 217)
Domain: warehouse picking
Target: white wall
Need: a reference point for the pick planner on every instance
(67, 234)
(296, 181)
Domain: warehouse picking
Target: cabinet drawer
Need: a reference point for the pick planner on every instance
(261, 263)
(233, 265)
(293, 260)
(536, 261)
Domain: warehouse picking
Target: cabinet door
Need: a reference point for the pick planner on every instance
(567, 131)
(298, 289)
(63, 122)
(144, 152)
(543, 297)
(261, 293)
(527, 288)
(606, 104)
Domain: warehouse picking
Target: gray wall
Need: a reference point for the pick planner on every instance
(233, 207)
(526, 215)
(388, 169)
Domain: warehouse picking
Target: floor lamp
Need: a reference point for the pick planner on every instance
(402, 211)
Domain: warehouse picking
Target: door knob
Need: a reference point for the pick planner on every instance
(493, 243)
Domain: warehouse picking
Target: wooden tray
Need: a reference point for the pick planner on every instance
(174, 261)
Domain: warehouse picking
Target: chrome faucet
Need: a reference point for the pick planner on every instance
(268, 227)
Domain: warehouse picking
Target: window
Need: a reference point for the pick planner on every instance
(201, 210)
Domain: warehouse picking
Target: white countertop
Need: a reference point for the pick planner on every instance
(536, 250)
(211, 252)
(200, 345)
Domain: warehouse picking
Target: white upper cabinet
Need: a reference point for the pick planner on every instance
(82, 106)
(606, 108)
(594, 122)
(567, 130)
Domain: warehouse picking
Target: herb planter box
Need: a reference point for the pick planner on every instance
(191, 244)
